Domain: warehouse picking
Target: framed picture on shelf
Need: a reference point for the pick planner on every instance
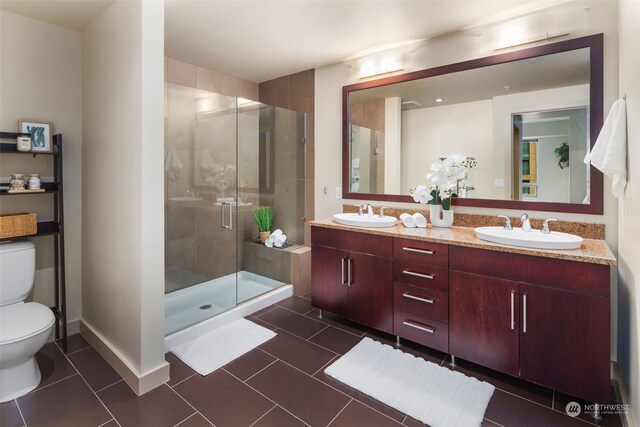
(40, 134)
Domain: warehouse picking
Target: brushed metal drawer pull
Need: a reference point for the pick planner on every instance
(422, 328)
(419, 251)
(343, 278)
(513, 320)
(524, 313)
(423, 276)
(408, 295)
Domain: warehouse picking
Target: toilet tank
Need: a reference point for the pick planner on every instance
(17, 271)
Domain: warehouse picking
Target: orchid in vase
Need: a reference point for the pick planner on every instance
(446, 178)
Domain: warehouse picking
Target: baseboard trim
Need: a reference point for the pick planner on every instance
(139, 383)
(623, 396)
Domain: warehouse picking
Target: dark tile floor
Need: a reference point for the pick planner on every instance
(279, 384)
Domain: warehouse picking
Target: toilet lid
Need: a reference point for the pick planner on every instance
(23, 320)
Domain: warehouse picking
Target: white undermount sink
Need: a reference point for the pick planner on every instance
(365, 220)
(529, 239)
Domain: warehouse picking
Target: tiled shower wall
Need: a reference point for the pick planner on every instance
(295, 196)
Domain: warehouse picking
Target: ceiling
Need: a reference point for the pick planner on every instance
(263, 39)
(72, 14)
(544, 72)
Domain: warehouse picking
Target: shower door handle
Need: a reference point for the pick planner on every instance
(222, 216)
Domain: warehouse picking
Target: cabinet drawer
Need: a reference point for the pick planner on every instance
(427, 332)
(424, 252)
(422, 275)
(423, 302)
(352, 241)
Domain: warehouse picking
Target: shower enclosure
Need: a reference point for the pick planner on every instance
(225, 156)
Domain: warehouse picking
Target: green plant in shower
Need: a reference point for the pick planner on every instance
(264, 217)
(562, 153)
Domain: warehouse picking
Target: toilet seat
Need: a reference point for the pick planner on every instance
(21, 321)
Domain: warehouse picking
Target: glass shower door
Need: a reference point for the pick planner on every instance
(201, 212)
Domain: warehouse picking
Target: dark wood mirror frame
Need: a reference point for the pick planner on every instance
(595, 45)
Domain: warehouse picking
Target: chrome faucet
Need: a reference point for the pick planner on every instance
(361, 209)
(507, 222)
(369, 209)
(526, 225)
(545, 225)
(382, 209)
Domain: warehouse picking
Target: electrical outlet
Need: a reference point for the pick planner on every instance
(338, 192)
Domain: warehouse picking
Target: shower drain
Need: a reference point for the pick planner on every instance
(205, 307)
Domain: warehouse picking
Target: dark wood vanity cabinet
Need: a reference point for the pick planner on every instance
(352, 273)
(544, 320)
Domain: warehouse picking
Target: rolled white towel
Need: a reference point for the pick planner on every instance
(276, 233)
(268, 243)
(279, 241)
(408, 220)
(421, 221)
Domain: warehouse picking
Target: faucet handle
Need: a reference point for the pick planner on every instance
(524, 217)
(507, 222)
(382, 209)
(545, 225)
(360, 208)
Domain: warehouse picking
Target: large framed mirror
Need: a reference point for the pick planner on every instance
(525, 119)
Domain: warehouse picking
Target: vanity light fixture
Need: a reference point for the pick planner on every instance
(509, 41)
(384, 63)
(439, 99)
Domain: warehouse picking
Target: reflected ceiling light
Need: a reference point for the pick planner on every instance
(439, 99)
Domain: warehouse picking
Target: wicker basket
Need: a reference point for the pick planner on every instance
(19, 224)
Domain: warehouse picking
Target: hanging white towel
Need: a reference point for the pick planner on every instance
(207, 162)
(172, 163)
(609, 154)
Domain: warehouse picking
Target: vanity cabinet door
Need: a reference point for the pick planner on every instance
(328, 281)
(483, 320)
(564, 341)
(371, 291)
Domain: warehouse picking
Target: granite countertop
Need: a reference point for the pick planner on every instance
(592, 251)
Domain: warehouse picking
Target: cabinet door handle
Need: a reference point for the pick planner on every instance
(408, 295)
(419, 251)
(342, 282)
(524, 313)
(423, 276)
(513, 320)
(349, 273)
(419, 327)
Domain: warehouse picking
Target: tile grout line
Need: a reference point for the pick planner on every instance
(490, 420)
(325, 365)
(263, 415)
(308, 339)
(106, 387)
(24, 422)
(338, 414)
(261, 370)
(195, 413)
(404, 419)
(75, 351)
(105, 423)
(266, 397)
(181, 381)
(94, 393)
(53, 383)
(189, 403)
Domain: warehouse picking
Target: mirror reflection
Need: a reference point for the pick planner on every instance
(526, 123)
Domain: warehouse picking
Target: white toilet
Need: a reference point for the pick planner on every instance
(24, 326)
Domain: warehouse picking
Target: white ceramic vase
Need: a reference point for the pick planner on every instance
(440, 217)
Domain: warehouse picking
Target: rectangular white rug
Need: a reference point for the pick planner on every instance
(215, 349)
(435, 395)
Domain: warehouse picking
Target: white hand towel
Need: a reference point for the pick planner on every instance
(421, 221)
(409, 221)
(172, 163)
(609, 154)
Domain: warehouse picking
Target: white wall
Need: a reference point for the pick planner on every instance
(602, 17)
(629, 212)
(40, 78)
(431, 133)
(123, 239)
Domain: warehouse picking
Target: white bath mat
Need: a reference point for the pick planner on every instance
(215, 349)
(435, 395)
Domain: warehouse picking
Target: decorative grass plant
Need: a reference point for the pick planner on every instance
(264, 217)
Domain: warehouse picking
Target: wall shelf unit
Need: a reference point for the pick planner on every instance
(53, 228)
